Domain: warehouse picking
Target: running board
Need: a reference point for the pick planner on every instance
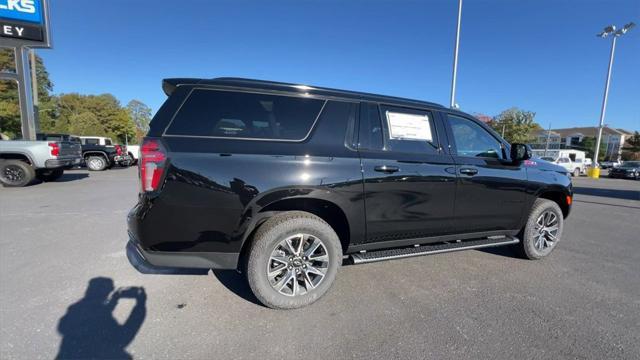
(429, 249)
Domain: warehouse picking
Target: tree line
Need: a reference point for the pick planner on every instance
(77, 114)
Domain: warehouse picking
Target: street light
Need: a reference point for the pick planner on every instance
(608, 31)
(452, 100)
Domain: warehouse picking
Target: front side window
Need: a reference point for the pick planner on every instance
(472, 140)
(245, 115)
(107, 142)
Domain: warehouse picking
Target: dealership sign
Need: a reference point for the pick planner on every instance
(24, 23)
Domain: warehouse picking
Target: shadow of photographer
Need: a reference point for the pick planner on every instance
(89, 329)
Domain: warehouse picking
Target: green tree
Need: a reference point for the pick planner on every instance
(518, 125)
(588, 145)
(108, 118)
(141, 115)
(9, 105)
(631, 149)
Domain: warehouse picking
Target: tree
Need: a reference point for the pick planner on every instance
(9, 104)
(518, 125)
(588, 145)
(631, 149)
(141, 116)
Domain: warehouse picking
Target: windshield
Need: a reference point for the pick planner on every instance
(547, 158)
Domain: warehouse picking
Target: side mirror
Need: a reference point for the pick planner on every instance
(520, 152)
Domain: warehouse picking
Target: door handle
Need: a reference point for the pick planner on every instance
(468, 171)
(386, 169)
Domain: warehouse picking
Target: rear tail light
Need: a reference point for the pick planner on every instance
(55, 148)
(152, 164)
(118, 149)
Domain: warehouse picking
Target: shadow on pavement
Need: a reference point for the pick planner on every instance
(611, 193)
(66, 177)
(90, 331)
(506, 251)
(236, 283)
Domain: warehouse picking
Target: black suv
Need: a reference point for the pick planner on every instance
(283, 182)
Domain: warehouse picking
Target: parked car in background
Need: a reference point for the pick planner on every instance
(626, 170)
(609, 164)
(101, 153)
(280, 180)
(573, 168)
(23, 161)
(134, 152)
(588, 162)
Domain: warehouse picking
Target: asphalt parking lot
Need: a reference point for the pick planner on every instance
(582, 302)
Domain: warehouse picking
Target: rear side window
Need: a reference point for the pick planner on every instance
(245, 115)
(409, 130)
(91, 141)
(107, 142)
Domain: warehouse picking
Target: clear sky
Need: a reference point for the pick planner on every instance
(539, 55)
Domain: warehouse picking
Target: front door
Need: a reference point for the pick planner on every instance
(409, 181)
(491, 189)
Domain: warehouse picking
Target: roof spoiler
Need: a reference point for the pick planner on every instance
(169, 85)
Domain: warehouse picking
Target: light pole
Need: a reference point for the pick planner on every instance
(452, 101)
(609, 30)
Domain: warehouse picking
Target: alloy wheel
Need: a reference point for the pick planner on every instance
(546, 231)
(297, 265)
(13, 174)
(96, 163)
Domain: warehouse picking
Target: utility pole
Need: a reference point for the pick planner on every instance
(452, 101)
(546, 147)
(609, 30)
(25, 93)
(34, 85)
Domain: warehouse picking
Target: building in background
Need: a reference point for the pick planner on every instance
(572, 138)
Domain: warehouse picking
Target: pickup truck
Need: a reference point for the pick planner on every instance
(100, 153)
(21, 161)
(575, 168)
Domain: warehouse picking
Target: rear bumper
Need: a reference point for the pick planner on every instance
(189, 260)
(627, 175)
(66, 162)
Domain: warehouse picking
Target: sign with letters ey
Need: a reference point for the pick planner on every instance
(24, 23)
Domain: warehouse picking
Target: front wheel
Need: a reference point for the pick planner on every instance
(542, 231)
(293, 260)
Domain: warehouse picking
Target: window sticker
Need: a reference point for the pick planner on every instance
(403, 126)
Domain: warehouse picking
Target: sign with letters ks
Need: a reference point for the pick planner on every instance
(24, 22)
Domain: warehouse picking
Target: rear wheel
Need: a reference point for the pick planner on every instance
(16, 173)
(293, 260)
(96, 163)
(49, 174)
(542, 231)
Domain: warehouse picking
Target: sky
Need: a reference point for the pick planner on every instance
(542, 56)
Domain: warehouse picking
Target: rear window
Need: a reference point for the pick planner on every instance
(245, 115)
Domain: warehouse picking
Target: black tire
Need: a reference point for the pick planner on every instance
(266, 242)
(49, 174)
(134, 161)
(530, 235)
(96, 163)
(16, 173)
(576, 172)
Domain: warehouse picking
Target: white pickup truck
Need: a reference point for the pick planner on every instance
(21, 161)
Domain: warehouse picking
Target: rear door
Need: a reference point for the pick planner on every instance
(491, 190)
(409, 181)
